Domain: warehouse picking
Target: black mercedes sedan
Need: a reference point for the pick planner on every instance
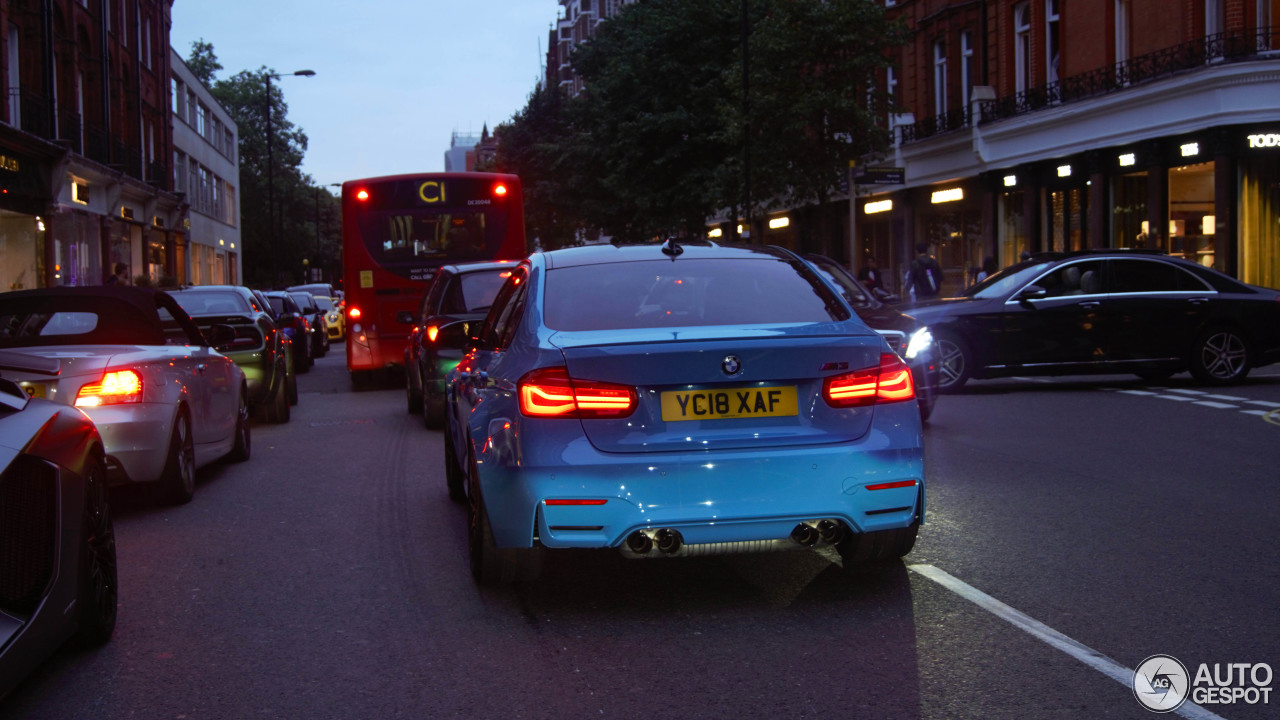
(909, 337)
(1105, 311)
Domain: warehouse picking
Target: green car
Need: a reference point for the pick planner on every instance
(259, 347)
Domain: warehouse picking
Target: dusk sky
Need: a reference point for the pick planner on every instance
(394, 78)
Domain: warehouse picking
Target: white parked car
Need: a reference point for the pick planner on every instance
(164, 401)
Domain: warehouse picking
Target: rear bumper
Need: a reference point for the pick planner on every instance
(709, 497)
(135, 437)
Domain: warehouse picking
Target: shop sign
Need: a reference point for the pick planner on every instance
(1263, 140)
(879, 175)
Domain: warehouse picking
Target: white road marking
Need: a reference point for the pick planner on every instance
(1259, 413)
(1227, 398)
(1220, 406)
(1264, 403)
(1187, 392)
(1137, 392)
(1179, 398)
(1049, 636)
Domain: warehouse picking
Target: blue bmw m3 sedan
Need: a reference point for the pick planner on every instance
(679, 400)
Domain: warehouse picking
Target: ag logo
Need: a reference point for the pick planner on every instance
(731, 365)
(1161, 683)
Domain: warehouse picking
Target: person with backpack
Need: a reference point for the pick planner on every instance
(926, 275)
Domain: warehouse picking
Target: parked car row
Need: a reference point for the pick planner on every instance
(117, 385)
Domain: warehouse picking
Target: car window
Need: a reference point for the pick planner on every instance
(324, 303)
(849, 288)
(34, 322)
(1136, 275)
(508, 306)
(305, 301)
(691, 292)
(473, 292)
(1074, 278)
(1006, 281)
(431, 302)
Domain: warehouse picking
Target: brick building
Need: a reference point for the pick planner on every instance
(86, 143)
(576, 26)
(1055, 125)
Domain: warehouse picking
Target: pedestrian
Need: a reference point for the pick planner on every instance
(120, 275)
(925, 275)
(988, 268)
(869, 276)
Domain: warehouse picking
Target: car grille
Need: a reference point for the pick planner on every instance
(28, 532)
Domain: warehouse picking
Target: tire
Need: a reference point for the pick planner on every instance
(98, 593)
(276, 409)
(178, 482)
(491, 565)
(432, 410)
(244, 441)
(413, 397)
(293, 387)
(1220, 356)
(302, 360)
(955, 363)
(453, 472)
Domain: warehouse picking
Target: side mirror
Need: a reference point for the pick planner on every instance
(1032, 292)
(219, 336)
(405, 316)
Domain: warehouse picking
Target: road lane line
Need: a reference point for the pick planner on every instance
(1187, 392)
(1049, 636)
(1218, 405)
(1179, 398)
(1137, 392)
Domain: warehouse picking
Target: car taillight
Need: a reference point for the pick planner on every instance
(433, 332)
(121, 386)
(354, 313)
(890, 382)
(550, 392)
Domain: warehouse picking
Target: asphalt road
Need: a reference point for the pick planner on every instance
(1075, 528)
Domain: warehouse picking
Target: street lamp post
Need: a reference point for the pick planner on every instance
(271, 168)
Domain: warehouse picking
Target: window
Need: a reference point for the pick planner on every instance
(1152, 276)
(1212, 17)
(939, 77)
(191, 107)
(179, 172)
(1053, 49)
(966, 68)
(1122, 31)
(202, 119)
(891, 86)
(178, 91)
(1080, 278)
(1022, 47)
(230, 194)
(15, 80)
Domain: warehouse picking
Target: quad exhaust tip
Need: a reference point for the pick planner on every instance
(669, 541)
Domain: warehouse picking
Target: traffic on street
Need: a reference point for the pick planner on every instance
(1071, 537)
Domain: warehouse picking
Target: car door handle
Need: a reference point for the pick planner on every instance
(1198, 300)
(1090, 304)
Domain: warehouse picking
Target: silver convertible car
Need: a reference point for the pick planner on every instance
(164, 401)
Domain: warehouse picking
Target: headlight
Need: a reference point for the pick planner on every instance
(920, 341)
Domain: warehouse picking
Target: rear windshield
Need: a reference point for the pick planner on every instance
(687, 292)
(212, 302)
(76, 321)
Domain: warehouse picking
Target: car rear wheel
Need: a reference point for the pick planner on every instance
(453, 472)
(490, 564)
(178, 483)
(954, 363)
(97, 595)
(413, 397)
(1220, 357)
(432, 410)
(241, 450)
(276, 409)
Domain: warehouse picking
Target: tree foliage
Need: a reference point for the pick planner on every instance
(663, 135)
(305, 218)
(203, 63)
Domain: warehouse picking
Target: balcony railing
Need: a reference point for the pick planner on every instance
(1223, 47)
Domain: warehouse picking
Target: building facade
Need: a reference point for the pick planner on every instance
(85, 143)
(206, 169)
(576, 26)
(1047, 125)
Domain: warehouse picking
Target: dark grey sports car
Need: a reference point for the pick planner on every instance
(57, 544)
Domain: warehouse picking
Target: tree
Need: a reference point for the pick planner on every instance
(529, 146)
(655, 144)
(203, 63)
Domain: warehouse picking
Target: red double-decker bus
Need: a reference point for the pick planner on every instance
(397, 230)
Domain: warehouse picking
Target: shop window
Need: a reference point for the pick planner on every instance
(1191, 200)
(1259, 261)
(1013, 228)
(1129, 211)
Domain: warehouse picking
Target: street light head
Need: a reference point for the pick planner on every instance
(305, 73)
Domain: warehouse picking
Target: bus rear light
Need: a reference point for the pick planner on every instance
(362, 194)
(889, 382)
(354, 313)
(121, 386)
(550, 392)
(500, 190)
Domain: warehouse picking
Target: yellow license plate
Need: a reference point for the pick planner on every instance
(729, 403)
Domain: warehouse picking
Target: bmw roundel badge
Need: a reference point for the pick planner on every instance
(731, 365)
